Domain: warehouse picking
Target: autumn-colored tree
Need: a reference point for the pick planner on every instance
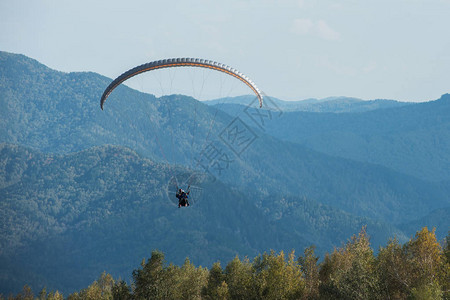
(426, 260)
(424, 254)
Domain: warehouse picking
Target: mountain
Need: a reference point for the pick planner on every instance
(409, 138)
(412, 139)
(62, 115)
(330, 104)
(89, 188)
(107, 207)
(436, 219)
(67, 218)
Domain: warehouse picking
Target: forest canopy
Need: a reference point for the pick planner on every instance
(418, 269)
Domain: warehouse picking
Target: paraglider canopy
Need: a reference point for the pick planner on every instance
(180, 62)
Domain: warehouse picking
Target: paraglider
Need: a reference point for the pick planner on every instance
(181, 195)
(181, 62)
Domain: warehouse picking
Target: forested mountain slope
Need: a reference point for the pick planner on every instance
(66, 218)
(83, 190)
(59, 112)
(413, 139)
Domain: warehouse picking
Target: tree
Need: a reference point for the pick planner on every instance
(310, 269)
(99, 289)
(26, 294)
(238, 277)
(170, 283)
(55, 296)
(216, 287)
(426, 265)
(121, 291)
(148, 279)
(349, 273)
(393, 271)
(192, 280)
(446, 267)
(277, 278)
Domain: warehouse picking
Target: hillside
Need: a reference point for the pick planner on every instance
(413, 139)
(89, 188)
(67, 218)
(68, 119)
(435, 219)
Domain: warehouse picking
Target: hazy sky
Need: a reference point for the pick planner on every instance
(396, 49)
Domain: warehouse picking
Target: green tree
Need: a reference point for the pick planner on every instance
(446, 267)
(310, 268)
(192, 280)
(99, 289)
(349, 273)
(393, 271)
(327, 288)
(277, 278)
(121, 291)
(170, 283)
(26, 294)
(148, 279)
(216, 287)
(239, 279)
(431, 291)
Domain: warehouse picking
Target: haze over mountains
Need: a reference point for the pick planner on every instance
(84, 190)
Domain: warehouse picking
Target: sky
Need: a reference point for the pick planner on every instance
(292, 49)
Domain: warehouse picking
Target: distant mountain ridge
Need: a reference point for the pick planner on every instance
(329, 104)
